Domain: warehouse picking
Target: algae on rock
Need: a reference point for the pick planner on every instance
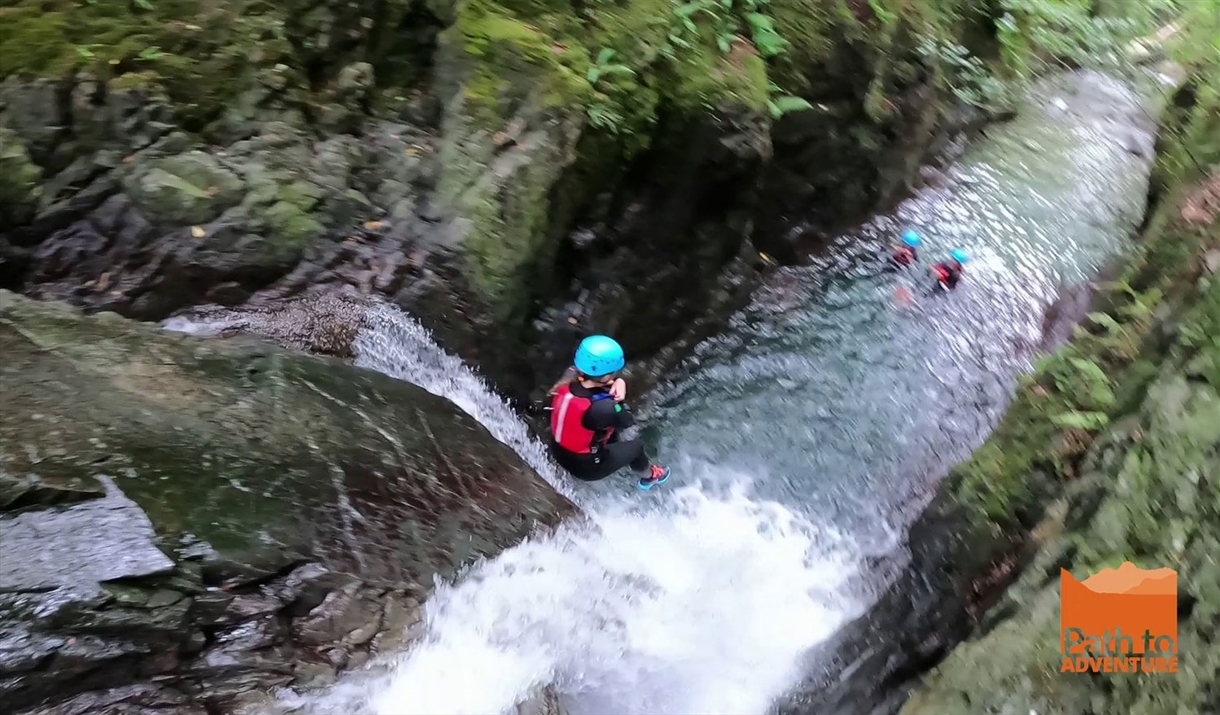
(272, 500)
(1147, 493)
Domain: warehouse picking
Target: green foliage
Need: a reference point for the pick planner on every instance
(1194, 132)
(1106, 321)
(603, 68)
(968, 77)
(602, 116)
(762, 32)
(728, 19)
(1037, 34)
(882, 12)
(1090, 421)
(780, 105)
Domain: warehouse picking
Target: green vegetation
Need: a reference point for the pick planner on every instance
(1037, 34)
(203, 53)
(762, 54)
(1103, 372)
(200, 53)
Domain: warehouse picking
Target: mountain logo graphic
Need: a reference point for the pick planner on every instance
(1122, 620)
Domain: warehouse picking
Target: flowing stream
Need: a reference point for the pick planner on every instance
(802, 440)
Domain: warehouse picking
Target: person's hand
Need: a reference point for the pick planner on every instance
(618, 389)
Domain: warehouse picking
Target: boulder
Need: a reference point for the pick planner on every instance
(206, 516)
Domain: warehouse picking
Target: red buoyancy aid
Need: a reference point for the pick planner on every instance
(567, 411)
(946, 270)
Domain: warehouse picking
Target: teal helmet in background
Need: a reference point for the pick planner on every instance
(959, 255)
(599, 355)
(911, 238)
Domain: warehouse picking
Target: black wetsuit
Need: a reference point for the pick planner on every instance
(602, 415)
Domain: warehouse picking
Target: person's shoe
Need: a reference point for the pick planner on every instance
(656, 475)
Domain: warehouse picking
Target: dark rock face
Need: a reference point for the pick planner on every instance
(668, 257)
(145, 220)
(442, 155)
(197, 520)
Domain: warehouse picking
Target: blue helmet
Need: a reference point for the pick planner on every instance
(599, 355)
(911, 238)
(959, 255)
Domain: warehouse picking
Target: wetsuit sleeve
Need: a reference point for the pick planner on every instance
(605, 414)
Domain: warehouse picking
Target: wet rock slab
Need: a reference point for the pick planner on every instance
(97, 540)
(190, 521)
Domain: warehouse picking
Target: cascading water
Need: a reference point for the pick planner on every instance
(700, 601)
(833, 403)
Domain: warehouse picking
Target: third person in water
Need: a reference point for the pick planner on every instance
(906, 253)
(588, 416)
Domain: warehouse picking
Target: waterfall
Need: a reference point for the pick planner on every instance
(678, 601)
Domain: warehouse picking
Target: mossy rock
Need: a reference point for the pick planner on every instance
(188, 189)
(20, 181)
(243, 445)
(1154, 493)
(288, 222)
(522, 92)
(201, 53)
(206, 54)
(1143, 491)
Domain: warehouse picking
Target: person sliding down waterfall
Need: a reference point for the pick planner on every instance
(948, 273)
(587, 415)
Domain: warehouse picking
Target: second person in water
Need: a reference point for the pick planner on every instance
(948, 273)
(588, 415)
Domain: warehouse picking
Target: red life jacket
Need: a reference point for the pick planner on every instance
(947, 272)
(567, 411)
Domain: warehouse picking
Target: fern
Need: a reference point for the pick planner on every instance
(602, 116)
(1091, 370)
(602, 67)
(781, 105)
(1082, 420)
(1097, 384)
(1106, 321)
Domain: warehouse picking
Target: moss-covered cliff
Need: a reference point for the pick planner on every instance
(1110, 453)
(597, 164)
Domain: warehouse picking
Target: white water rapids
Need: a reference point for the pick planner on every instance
(675, 601)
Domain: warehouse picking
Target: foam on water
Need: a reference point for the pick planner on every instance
(693, 602)
(202, 328)
(394, 344)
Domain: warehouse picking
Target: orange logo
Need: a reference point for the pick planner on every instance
(1122, 620)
